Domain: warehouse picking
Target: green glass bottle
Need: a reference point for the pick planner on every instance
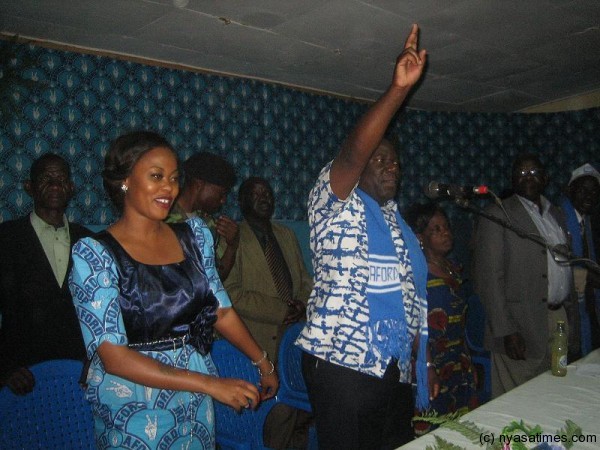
(559, 350)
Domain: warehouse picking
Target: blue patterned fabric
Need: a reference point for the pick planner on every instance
(574, 229)
(78, 102)
(337, 328)
(126, 414)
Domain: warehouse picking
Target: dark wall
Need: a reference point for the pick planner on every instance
(79, 102)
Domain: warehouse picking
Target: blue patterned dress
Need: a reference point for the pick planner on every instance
(145, 306)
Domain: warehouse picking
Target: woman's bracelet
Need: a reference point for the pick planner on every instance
(260, 374)
(264, 356)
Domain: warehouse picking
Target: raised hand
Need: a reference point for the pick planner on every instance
(411, 62)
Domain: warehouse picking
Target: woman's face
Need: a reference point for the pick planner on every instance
(437, 237)
(153, 184)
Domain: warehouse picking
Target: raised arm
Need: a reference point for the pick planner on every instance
(367, 134)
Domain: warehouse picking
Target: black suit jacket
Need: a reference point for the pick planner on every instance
(38, 317)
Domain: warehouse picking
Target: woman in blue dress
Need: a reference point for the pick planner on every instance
(147, 296)
(446, 314)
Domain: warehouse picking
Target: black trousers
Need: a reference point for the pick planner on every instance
(353, 410)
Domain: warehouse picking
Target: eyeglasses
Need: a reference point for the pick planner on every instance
(534, 172)
(384, 162)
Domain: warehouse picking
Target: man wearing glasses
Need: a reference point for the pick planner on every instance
(523, 288)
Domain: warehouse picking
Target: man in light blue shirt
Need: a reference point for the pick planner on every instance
(38, 317)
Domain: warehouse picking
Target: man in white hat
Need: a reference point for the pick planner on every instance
(582, 196)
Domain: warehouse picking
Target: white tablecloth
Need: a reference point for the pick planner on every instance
(546, 400)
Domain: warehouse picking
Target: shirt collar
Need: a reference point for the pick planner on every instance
(39, 225)
(533, 205)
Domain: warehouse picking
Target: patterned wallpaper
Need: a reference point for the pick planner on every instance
(79, 102)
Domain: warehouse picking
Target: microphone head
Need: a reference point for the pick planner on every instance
(432, 190)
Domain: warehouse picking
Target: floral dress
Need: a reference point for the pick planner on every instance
(449, 352)
(164, 311)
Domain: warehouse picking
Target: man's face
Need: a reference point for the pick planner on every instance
(260, 202)
(51, 188)
(381, 176)
(210, 198)
(584, 192)
(529, 180)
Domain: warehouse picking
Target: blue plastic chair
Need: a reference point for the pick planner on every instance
(54, 416)
(292, 389)
(234, 430)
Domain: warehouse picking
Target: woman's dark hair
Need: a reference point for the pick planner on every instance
(418, 215)
(124, 152)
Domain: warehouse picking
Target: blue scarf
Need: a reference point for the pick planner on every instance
(414, 287)
(577, 247)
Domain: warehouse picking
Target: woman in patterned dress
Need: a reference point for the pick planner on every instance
(147, 295)
(446, 313)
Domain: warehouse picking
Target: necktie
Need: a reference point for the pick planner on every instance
(279, 270)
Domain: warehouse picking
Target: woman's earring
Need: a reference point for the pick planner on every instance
(124, 188)
(420, 242)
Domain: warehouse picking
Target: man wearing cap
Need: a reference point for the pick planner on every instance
(208, 179)
(523, 289)
(581, 197)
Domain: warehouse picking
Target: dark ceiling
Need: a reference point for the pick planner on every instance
(484, 55)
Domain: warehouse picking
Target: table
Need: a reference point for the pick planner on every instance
(546, 400)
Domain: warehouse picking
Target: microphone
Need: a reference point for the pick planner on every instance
(436, 190)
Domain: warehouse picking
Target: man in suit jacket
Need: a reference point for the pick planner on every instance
(250, 284)
(38, 317)
(269, 288)
(524, 291)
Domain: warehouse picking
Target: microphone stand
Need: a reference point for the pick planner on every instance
(560, 253)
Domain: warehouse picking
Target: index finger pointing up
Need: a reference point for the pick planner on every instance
(412, 40)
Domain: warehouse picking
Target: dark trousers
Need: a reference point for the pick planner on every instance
(358, 411)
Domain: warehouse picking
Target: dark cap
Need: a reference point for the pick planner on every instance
(210, 168)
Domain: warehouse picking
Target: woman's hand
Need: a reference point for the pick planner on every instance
(269, 384)
(433, 383)
(233, 392)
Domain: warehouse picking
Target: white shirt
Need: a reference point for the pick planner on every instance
(559, 275)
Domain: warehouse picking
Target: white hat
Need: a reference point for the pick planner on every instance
(587, 170)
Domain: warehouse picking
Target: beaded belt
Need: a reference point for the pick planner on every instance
(171, 343)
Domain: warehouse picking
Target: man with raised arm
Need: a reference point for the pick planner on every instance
(367, 312)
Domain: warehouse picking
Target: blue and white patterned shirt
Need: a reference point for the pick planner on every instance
(337, 328)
